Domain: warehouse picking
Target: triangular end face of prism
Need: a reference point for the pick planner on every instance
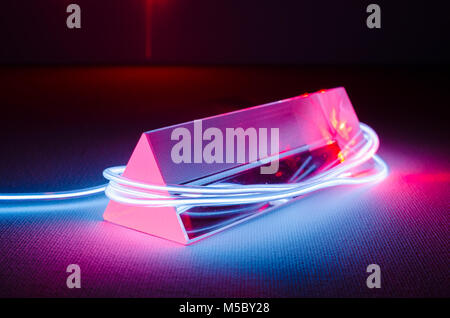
(159, 221)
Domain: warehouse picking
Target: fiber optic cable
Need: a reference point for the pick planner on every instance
(131, 192)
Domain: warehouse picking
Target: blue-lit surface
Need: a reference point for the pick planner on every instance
(317, 246)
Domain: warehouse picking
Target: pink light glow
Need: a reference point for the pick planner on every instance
(306, 124)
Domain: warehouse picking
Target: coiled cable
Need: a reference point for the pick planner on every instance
(131, 192)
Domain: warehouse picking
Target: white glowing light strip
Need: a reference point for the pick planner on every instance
(119, 188)
(53, 195)
(136, 193)
(113, 174)
(300, 189)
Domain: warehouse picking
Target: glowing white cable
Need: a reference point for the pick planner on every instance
(113, 174)
(131, 192)
(53, 195)
(300, 189)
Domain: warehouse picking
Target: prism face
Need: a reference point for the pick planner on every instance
(338, 110)
(164, 221)
(302, 121)
(202, 221)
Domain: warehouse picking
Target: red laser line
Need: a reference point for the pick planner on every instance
(148, 29)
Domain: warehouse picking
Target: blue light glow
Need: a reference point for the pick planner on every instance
(131, 192)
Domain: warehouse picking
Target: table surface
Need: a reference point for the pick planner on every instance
(63, 125)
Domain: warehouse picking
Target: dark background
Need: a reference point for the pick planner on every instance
(223, 32)
(74, 102)
(144, 64)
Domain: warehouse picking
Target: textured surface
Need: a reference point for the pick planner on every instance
(319, 246)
